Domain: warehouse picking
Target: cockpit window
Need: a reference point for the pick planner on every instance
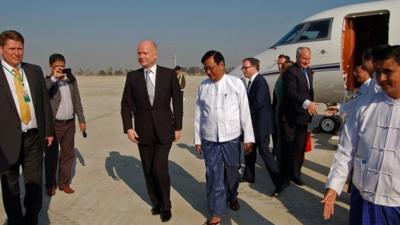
(289, 37)
(316, 30)
(312, 30)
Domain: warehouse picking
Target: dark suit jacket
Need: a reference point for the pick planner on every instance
(10, 123)
(296, 92)
(55, 97)
(135, 100)
(3, 162)
(260, 107)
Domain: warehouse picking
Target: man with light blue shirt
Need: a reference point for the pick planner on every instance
(370, 147)
(66, 105)
(222, 114)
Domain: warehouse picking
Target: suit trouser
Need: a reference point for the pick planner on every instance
(222, 162)
(65, 138)
(31, 160)
(155, 167)
(292, 154)
(262, 146)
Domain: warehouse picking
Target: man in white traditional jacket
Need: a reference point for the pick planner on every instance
(222, 115)
(370, 146)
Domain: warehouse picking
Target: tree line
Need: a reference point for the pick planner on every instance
(191, 71)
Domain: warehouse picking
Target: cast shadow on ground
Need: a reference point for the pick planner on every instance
(129, 170)
(44, 218)
(190, 148)
(322, 140)
(78, 158)
(300, 203)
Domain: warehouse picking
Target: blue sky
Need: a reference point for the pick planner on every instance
(99, 34)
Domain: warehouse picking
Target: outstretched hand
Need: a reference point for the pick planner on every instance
(329, 203)
(331, 110)
(312, 108)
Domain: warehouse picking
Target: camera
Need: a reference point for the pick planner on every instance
(66, 71)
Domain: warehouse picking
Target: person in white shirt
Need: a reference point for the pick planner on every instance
(369, 86)
(370, 146)
(222, 114)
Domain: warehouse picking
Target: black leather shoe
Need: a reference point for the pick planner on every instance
(155, 211)
(279, 190)
(298, 181)
(245, 179)
(234, 204)
(165, 216)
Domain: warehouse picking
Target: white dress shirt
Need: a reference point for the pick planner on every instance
(222, 111)
(152, 74)
(250, 82)
(10, 79)
(370, 146)
(367, 88)
(66, 109)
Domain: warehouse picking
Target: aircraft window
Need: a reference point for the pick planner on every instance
(316, 30)
(289, 37)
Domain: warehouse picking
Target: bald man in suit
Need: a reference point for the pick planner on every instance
(147, 99)
(297, 109)
(26, 125)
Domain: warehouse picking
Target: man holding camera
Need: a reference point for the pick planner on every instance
(66, 103)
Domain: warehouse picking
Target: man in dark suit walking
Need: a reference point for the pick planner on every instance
(262, 119)
(297, 109)
(147, 99)
(26, 123)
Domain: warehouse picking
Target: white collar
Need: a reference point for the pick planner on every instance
(253, 77)
(153, 69)
(8, 67)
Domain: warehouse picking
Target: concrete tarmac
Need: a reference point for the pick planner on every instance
(110, 187)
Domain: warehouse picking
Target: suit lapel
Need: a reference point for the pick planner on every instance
(143, 81)
(252, 86)
(303, 78)
(310, 78)
(30, 78)
(6, 89)
(157, 83)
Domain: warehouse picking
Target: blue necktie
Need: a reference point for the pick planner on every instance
(308, 81)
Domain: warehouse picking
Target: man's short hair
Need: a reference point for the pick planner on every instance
(10, 34)
(286, 65)
(254, 62)
(300, 49)
(177, 68)
(218, 57)
(388, 53)
(369, 53)
(284, 56)
(56, 57)
(363, 67)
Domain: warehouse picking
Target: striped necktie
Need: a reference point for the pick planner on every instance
(25, 112)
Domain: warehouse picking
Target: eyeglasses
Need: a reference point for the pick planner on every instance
(246, 67)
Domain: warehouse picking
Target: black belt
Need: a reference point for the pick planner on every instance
(64, 121)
